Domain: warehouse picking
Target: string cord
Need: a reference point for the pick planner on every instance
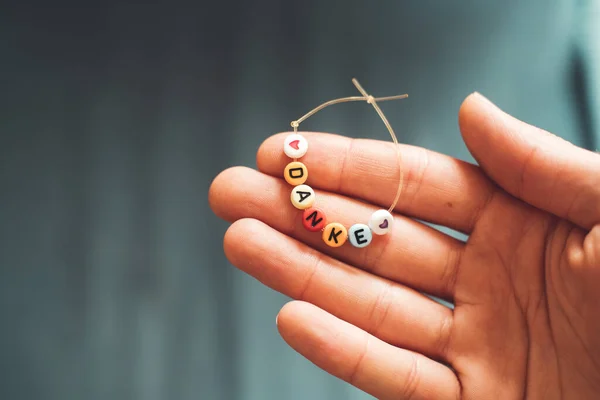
(373, 101)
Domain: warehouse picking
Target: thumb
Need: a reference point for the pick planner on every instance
(531, 164)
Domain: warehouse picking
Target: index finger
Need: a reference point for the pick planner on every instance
(437, 188)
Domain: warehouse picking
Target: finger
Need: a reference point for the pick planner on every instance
(362, 360)
(413, 253)
(390, 311)
(437, 188)
(531, 164)
(591, 249)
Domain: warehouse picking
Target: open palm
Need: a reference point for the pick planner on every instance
(525, 285)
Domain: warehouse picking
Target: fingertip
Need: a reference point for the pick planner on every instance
(263, 153)
(465, 107)
(226, 193)
(490, 134)
(299, 320)
(284, 316)
(215, 191)
(239, 242)
(295, 307)
(466, 114)
(270, 155)
(472, 115)
(284, 319)
(231, 239)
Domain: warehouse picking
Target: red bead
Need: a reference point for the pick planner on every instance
(314, 219)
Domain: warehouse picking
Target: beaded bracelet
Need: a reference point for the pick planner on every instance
(302, 196)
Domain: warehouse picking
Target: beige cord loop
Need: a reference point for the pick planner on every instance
(373, 101)
(295, 125)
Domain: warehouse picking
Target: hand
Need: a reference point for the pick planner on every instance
(526, 284)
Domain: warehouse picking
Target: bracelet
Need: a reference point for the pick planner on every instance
(303, 197)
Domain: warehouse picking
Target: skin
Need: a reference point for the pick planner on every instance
(526, 283)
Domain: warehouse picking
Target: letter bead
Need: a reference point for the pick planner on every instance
(295, 173)
(314, 219)
(295, 146)
(360, 235)
(335, 234)
(302, 197)
(381, 222)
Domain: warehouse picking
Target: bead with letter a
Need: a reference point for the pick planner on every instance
(302, 197)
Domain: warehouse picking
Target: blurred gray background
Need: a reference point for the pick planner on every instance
(115, 117)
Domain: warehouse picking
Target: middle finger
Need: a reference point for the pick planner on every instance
(412, 253)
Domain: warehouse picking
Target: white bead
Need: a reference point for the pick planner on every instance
(302, 197)
(295, 146)
(360, 235)
(381, 222)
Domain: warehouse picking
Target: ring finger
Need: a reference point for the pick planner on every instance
(394, 313)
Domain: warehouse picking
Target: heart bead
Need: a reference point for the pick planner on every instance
(381, 222)
(295, 146)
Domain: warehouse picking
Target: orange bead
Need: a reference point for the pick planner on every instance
(295, 173)
(335, 234)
